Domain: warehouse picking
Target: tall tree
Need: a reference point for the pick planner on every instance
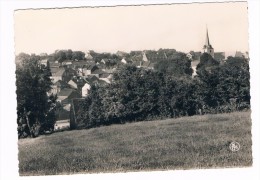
(33, 82)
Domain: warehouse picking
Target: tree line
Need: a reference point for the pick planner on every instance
(136, 94)
(169, 91)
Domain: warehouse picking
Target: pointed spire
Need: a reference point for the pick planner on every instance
(207, 37)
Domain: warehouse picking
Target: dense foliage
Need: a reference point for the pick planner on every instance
(35, 109)
(62, 55)
(137, 94)
(177, 65)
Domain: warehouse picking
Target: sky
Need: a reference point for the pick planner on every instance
(109, 29)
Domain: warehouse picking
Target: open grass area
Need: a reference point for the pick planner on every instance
(183, 143)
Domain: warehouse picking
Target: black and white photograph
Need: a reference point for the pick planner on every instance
(135, 88)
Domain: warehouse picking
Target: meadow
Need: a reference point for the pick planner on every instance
(194, 142)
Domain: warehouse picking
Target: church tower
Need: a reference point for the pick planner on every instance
(207, 48)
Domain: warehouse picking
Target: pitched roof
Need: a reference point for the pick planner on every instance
(98, 71)
(92, 78)
(54, 70)
(54, 64)
(91, 66)
(44, 61)
(137, 63)
(146, 63)
(79, 63)
(61, 83)
(138, 57)
(88, 56)
(73, 84)
(145, 57)
(151, 65)
(65, 92)
(121, 53)
(60, 72)
(106, 75)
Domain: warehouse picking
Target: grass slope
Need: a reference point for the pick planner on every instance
(183, 143)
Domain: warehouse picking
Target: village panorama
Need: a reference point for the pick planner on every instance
(138, 110)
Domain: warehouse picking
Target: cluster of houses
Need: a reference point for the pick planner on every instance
(73, 79)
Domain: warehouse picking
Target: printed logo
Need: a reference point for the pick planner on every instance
(234, 146)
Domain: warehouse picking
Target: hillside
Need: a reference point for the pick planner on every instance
(183, 143)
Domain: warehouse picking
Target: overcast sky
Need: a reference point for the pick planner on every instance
(126, 28)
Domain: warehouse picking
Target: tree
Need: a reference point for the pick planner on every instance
(225, 86)
(78, 55)
(206, 61)
(178, 65)
(34, 107)
(69, 54)
(59, 56)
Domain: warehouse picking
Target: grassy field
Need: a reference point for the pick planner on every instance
(183, 143)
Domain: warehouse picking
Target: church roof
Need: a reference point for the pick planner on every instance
(207, 43)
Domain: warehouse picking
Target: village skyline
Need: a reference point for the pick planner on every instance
(128, 28)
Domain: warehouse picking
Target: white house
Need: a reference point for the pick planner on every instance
(123, 61)
(85, 89)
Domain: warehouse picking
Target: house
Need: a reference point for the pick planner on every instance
(155, 56)
(77, 83)
(144, 57)
(85, 69)
(136, 58)
(92, 79)
(106, 77)
(88, 56)
(194, 66)
(66, 95)
(147, 65)
(189, 56)
(123, 61)
(220, 56)
(67, 63)
(104, 61)
(54, 64)
(57, 74)
(54, 70)
(45, 62)
(85, 89)
(195, 55)
(57, 87)
(121, 54)
(62, 74)
(236, 54)
(62, 125)
(97, 72)
(73, 84)
(78, 64)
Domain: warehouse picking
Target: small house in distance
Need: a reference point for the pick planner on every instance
(62, 125)
(66, 95)
(57, 87)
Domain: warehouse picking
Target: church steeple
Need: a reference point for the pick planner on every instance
(207, 38)
(207, 48)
